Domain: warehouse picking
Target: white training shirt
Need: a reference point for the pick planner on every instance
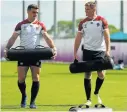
(92, 31)
(30, 33)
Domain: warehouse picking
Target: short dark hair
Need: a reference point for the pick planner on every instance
(34, 6)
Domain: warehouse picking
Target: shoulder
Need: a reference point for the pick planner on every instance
(104, 21)
(22, 22)
(42, 25)
(84, 20)
(101, 18)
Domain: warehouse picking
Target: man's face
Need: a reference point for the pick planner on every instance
(90, 9)
(33, 13)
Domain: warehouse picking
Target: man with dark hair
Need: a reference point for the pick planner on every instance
(30, 30)
(32, 6)
(94, 30)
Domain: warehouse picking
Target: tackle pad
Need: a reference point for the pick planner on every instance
(20, 53)
(93, 65)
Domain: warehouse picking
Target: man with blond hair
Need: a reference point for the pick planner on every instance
(96, 41)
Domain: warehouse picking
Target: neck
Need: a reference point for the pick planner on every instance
(92, 17)
(31, 19)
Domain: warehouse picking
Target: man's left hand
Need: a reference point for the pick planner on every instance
(54, 52)
(107, 53)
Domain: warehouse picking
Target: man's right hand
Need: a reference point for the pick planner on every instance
(75, 56)
(5, 53)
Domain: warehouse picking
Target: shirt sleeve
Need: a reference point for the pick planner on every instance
(104, 24)
(80, 28)
(43, 28)
(18, 28)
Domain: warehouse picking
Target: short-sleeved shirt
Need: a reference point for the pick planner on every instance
(30, 33)
(92, 31)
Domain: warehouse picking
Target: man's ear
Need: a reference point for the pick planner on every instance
(27, 11)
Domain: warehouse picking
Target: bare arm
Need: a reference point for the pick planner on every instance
(77, 43)
(107, 41)
(10, 43)
(48, 40)
(50, 43)
(12, 40)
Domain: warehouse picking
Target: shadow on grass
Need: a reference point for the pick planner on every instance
(48, 105)
(10, 107)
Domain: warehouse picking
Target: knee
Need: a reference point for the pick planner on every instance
(101, 74)
(21, 78)
(36, 77)
(88, 75)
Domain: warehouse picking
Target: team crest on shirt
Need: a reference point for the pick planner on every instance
(37, 27)
(25, 26)
(98, 24)
(85, 26)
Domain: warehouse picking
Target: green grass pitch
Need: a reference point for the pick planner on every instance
(59, 89)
